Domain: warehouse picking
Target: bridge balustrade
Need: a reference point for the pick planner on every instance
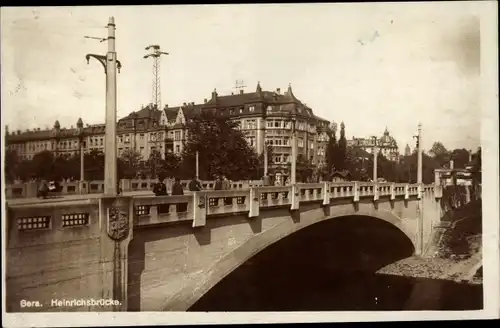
(197, 206)
(275, 196)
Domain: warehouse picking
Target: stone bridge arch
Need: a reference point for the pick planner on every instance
(189, 295)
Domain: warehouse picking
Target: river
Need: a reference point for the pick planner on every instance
(332, 266)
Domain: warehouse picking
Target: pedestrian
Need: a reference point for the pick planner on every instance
(218, 183)
(177, 190)
(160, 188)
(226, 185)
(195, 185)
(177, 187)
(43, 190)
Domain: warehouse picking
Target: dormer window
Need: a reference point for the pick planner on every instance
(251, 108)
(231, 111)
(241, 110)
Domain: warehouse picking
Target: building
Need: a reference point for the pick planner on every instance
(386, 144)
(265, 117)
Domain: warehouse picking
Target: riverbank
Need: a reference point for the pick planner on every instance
(457, 253)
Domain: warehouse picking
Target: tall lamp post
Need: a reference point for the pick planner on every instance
(293, 178)
(79, 126)
(375, 158)
(110, 64)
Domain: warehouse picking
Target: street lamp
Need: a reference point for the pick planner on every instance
(293, 178)
(375, 151)
(79, 127)
(263, 140)
(110, 64)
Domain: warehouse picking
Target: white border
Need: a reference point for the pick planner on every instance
(487, 11)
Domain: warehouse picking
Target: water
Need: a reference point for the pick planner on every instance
(331, 266)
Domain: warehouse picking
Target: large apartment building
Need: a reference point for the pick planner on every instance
(265, 117)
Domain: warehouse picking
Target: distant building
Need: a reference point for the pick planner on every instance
(151, 129)
(386, 144)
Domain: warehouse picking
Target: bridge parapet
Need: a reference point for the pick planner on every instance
(198, 206)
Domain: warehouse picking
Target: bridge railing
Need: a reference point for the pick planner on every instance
(29, 189)
(196, 207)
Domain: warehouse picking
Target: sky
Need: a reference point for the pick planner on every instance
(371, 66)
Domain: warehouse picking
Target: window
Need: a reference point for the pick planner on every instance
(251, 108)
(269, 124)
(231, 111)
(301, 142)
(277, 159)
(121, 139)
(241, 110)
(127, 138)
(251, 124)
(286, 158)
(141, 136)
(311, 146)
(177, 135)
(102, 141)
(277, 124)
(177, 149)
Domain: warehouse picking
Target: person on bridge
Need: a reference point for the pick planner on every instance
(218, 183)
(177, 187)
(160, 188)
(226, 185)
(43, 190)
(195, 185)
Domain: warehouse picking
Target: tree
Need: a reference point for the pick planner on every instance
(222, 149)
(129, 163)
(171, 164)
(154, 163)
(331, 150)
(42, 165)
(341, 152)
(94, 165)
(305, 169)
(438, 149)
(12, 162)
(460, 158)
(440, 153)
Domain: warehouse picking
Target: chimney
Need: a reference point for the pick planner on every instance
(451, 164)
(205, 101)
(192, 103)
(470, 156)
(232, 93)
(241, 91)
(166, 105)
(278, 91)
(184, 104)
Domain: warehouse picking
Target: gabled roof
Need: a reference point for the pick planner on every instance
(146, 112)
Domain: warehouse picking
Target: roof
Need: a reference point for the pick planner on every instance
(343, 174)
(146, 112)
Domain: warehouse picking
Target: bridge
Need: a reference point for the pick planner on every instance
(164, 253)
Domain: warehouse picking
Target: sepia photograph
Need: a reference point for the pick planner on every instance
(249, 159)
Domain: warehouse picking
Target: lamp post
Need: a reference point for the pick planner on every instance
(110, 64)
(375, 159)
(293, 179)
(79, 126)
